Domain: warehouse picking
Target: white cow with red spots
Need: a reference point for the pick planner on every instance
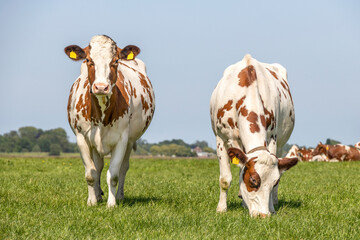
(110, 106)
(252, 115)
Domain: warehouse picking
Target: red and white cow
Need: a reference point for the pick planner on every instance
(357, 145)
(110, 106)
(336, 153)
(252, 115)
(303, 154)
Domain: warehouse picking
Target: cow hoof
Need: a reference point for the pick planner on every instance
(221, 209)
(91, 202)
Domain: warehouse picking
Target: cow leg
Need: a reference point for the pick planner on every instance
(225, 174)
(274, 192)
(123, 170)
(117, 157)
(90, 169)
(99, 165)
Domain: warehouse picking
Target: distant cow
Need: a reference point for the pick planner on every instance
(357, 145)
(337, 152)
(252, 115)
(303, 153)
(110, 106)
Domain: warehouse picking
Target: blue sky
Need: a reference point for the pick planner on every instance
(186, 46)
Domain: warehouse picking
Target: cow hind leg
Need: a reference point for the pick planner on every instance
(225, 175)
(123, 170)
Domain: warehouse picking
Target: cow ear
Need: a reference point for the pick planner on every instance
(285, 164)
(129, 52)
(75, 52)
(237, 156)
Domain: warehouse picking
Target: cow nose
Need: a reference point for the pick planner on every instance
(101, 88)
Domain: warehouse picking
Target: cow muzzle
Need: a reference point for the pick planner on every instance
(101, 88)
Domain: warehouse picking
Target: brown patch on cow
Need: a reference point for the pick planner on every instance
(244, 111)
(265, 144)
(262, 119)
(247, 76)
(144, 104)
(253, 118)
(306, 154)
(250, 177)
(239, 103)
(118, 105)
(221, 111)
(231, 123)
(145, 84)
(353, 155)
(273, 73)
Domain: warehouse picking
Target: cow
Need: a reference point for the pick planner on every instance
(357, 145)
(336, 153)
(303, 153)
(110, 106)
(252, 116)
(293, 152)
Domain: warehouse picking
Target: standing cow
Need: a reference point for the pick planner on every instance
(110, 106)
(252, 115)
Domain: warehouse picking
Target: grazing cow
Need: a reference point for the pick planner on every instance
(252, 115)
(110, 106)
(336, 153)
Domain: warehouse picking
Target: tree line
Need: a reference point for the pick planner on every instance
(31, 139)
(55, 141)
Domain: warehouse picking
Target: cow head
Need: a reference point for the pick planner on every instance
(261, 171)
(357, 145)
(102, 57)
(320, 149)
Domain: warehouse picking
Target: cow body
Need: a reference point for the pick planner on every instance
(110, 106)
(252, 115)
(336, 153)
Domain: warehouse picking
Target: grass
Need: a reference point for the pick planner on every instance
(45, 198)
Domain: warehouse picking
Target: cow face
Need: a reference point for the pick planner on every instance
(102, 57)
(320, 149)
(357, 145)
(260, 173)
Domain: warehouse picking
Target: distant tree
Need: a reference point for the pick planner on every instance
(36, 148)
(201, 144)
(209, 150)
(332, 142)
(155, 150)
(55, 150)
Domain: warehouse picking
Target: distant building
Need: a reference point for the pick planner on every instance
(199, 152)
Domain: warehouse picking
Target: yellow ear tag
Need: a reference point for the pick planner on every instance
(72, 55)
(327, 148)
(130, 56)
(235, 160)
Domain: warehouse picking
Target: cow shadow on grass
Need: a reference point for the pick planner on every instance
(288, 204)
(138, 200)
(235, 205)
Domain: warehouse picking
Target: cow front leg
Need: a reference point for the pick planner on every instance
(225, 175)
(90, 169)
(117, 157)
(123, 170)
(99, 165)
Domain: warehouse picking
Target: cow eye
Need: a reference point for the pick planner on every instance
(89, 62)
(253, 182)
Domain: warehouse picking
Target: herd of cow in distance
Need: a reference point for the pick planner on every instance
(112, 103)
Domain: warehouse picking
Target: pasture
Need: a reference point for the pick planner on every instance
(45, 198)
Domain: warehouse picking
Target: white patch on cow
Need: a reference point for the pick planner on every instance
(293, 152)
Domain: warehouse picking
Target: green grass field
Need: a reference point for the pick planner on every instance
(45, 198)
